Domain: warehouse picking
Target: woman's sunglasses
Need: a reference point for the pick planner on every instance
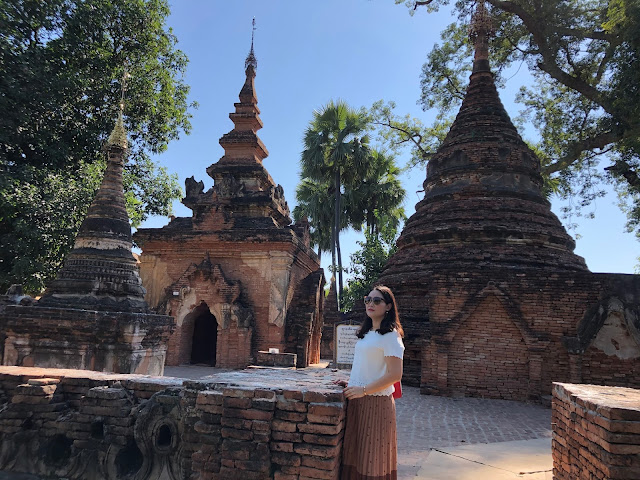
(375, 300)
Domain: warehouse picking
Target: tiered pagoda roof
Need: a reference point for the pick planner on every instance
(100, 273)
(483, 203)
(243, 192)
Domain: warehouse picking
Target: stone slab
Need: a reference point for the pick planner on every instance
(495, 461)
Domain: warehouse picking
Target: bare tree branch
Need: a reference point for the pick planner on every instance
(420, 4)
(576, 148)
(412, 137)
(625, 170)
(548, 63)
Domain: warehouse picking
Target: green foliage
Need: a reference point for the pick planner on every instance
(584, 57)
(345, 183)
(39, 217)
(367, 264)
(63, 62)
(335, 156)
(377, 199)
(398, 132)
(315, 202)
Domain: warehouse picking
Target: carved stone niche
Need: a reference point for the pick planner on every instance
(611, 326)
(155, 452)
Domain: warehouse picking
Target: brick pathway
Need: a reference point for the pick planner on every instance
(426, 422)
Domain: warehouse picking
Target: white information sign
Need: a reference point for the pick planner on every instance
(346, 342)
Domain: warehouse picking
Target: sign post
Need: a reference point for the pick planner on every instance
(345, 338)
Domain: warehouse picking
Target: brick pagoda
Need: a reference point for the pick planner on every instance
(494, 300)
(93, 316)
(236, 276)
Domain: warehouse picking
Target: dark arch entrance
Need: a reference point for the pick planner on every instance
(205, 336)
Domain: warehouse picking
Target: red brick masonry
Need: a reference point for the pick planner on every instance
(596, 432)
(254, 424)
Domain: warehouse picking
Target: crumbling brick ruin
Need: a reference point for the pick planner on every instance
(93, 316)
(107, 427)
(493, 299)
(237, 277)
(596, 432)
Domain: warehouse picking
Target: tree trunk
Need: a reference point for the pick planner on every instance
(333, 250)
(336, 227)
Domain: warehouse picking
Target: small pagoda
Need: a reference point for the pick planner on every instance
(495, 302)
(93, 316)
(237, 276)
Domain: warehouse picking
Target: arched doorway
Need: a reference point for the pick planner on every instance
(205, 336)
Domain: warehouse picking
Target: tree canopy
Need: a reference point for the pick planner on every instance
(63, 64)
(345, 183)
(584, 98)
(336, 151)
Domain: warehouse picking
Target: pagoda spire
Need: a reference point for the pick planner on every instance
(100, 273)
(242, 144)
(480, 31)
(251, 58)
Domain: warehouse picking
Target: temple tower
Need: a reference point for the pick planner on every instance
(100, 273)
(485, 274)
(238, 259)
(93, 316)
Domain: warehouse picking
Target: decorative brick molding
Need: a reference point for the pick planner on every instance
(253, 424)
(596, 432)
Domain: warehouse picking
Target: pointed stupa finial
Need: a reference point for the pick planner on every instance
(118, 137)
(251, 58)
(480, 30)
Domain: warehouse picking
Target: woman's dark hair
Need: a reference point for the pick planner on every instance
(391, 320)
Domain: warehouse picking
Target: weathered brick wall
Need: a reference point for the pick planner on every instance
(303, 326)
(508, 334)
(489, 358)
(596, 432)
(234, 426)
(265, 272)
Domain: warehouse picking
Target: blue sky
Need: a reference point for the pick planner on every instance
(309, 53)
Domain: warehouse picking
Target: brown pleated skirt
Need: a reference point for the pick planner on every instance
(370, 442)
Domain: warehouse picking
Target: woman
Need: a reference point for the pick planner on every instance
(370, 448)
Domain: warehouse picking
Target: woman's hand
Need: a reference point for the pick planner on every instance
(342, 383)
(354, 392)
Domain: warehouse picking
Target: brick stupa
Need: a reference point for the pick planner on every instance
(494, 300)
(93, 316)
(237, 276)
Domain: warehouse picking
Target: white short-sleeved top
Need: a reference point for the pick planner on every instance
(368, 361)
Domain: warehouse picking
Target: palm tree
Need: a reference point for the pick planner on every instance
(336, 151)
(379, 196)
(314, 203)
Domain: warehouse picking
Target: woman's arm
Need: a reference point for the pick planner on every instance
(393, 375)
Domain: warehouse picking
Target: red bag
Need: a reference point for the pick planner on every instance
(397, 393)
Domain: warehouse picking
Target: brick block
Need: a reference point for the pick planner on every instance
(333, 409)
(322, 439)
(320, 429)
(291, 406)
(286, 436)
(238, 392)
(281, 446)
(282, 426)
(290, 416)
(317, 450)
(332, 420)
(284, 458)
(317, 397)
(321, 463)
